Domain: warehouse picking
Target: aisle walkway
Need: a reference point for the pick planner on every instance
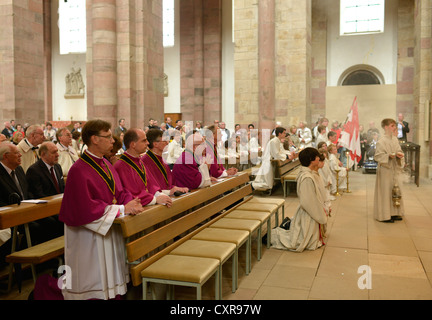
(399, 255)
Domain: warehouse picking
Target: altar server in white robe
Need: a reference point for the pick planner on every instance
(325, 173)
(390, 158)
(93, 198)
(273, 151)
(308, 226)
(305, 135)
(336, 168)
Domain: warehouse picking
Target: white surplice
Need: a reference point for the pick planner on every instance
(308, 225)
(388, 174)
(265, 177)
(101, 245)
(334, 166)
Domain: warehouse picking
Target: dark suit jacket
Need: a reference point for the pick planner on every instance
(8, 186)
(40, 181)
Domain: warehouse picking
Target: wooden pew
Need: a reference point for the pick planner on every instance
(283, 172)
(142, 249)
(23, 214)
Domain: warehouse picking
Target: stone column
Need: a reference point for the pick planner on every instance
(422, 79)
(266, 63)
(22, 61)
(246, 62)
(102, 102)
(201, 57)
(319, 60)
(293, 60)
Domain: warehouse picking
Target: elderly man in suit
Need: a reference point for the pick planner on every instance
(13, 188)
(45, 178)
(13, 184)
(28, 147)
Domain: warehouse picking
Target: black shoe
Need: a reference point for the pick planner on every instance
(388, 221)
(396, 218)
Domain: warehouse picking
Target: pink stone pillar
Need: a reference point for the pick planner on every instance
(22, 62)
(266, 64)
(104, 61)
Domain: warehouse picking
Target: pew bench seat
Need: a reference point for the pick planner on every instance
(182, 270)
(290, 177)
(39, 253)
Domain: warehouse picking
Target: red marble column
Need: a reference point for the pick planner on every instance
(266, 63)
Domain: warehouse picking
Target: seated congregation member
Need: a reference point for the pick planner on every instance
(322, 134)
(274, 151)
(14, 187)
(133, 174)
(337, 169)
(28, 147)
(114, 155)
(325, 172)
(305, 135)
(67, 154)
(12, 176)
(45, 178)
(175, 149)
(217, 169)
(308, 225)
(154, 162)
(332, 138)
(391, 162)
(94, 196)
(192, 169)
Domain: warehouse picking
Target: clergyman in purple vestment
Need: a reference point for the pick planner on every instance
(135, 177)
(154, 162)
(191, 169)
(93, 198)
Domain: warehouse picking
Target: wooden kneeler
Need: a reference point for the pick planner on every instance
(263, 207)
(221, 251)
(182, 270)
(251, 226)
(279, 203)
(237, 237)
(262, 216)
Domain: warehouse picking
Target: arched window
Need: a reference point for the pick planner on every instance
(361, 75)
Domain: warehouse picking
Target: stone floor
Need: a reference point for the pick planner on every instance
(398, 255)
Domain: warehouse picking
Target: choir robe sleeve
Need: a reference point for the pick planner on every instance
(103, 224)
(135, 185)
(158, 176)
(86, 196)
(187, 173)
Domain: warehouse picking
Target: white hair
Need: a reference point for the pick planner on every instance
(5, 147)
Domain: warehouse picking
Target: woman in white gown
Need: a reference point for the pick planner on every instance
(308, 226)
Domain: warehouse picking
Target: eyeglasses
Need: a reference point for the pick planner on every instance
(107, 137)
